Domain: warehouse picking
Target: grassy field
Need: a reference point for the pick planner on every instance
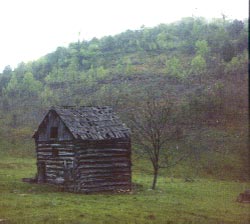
(201, 201)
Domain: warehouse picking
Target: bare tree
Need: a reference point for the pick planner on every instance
(153, 127)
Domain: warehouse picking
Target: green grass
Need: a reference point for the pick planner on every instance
(202, 201)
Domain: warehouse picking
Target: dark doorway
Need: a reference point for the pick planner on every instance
(41, 172)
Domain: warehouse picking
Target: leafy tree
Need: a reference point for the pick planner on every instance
(237, 65)
(13, 85)
(7, 70)
(234, 29)
(108, 44)
(228, 51)
(94, 45)
(101, 72)
(198, 65)
(21, 69)
(174, 68)
(202, 48)
(30, 85)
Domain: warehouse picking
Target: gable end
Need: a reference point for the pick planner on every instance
(52, 128)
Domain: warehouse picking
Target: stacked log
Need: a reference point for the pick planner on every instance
(55, 163)
(84, 166)
(103, 166)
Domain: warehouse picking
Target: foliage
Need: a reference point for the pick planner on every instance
(202, 48)
(198, 65)
(174, 68)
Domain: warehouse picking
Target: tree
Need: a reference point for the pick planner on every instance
(234, 29)
(198, 66)
(31, 85)
(108, 44)
(13, 85)
(7, 70)
(153, 127)
(228, 51)
(101, 72)
(202, 48)
(174, 68)
(237, 66)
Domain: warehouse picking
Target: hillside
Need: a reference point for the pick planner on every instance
(202, 66)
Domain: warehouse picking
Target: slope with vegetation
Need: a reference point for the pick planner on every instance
(202, 66)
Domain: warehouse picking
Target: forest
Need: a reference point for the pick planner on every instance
(200, 66)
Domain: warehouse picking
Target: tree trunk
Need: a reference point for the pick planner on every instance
(155, 178)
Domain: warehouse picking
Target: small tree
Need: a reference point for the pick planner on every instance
(153, 127)
(174, 68)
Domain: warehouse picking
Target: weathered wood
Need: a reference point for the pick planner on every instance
(115, 165)
(83, 170)
(102, 160)
(99, 145)
(54, 175)
(56, 181)
(101, 150)
(102, 155)
(84, 153)
(104, 184)
(49, 149)
(49, 144)
(59, 158)
(105, 175)
(54, 167)
(53, 162)
(59, 153)
(108, 181)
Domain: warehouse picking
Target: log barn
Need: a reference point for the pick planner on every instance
(83, 149)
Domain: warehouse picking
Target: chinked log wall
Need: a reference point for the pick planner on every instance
(103, 166)
(90, 166)
(56, 164)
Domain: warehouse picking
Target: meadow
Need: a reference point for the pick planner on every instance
(174, 200)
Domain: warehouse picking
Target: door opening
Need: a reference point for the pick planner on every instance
(41, 172)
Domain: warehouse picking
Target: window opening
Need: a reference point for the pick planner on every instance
(53, 132)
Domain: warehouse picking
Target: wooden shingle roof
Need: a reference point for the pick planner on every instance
(92, 123)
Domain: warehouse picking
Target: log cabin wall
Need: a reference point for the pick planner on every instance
(87, 166)
(55, 151)
(58, 159)
(103, 166)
